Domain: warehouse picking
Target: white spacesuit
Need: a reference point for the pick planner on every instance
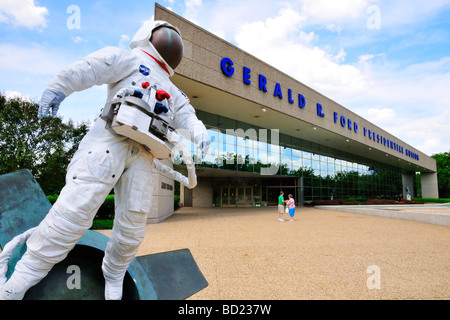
(106, 160)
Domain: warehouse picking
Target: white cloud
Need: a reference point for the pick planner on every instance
(280, 42)
(30, 59)
(333, 28)
(404, 12)
(192, 8)
(78, 39)
(384, 115)
(325, 11)
(225, 17)
(410, 103)
(23, 13)
(124, 41)
(16, 95)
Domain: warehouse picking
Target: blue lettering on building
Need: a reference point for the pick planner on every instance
(343, 121)
(319, 111)
(246, 77)
(290, 96)
(301, 101)
(226, 65)
(277, 91)
(262, 83)
(351, 125)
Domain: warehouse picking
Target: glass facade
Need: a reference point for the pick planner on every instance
(306, 170)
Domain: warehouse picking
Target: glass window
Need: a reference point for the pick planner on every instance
(315, 157)
(296, 153)
(307, 163)
(331, 169)
(262, 152)
(296, 163)
(225, 123)
(273, 158)
(331, 174)
(316, 167)
(286, 163)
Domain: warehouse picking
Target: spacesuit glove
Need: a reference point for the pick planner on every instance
(192, 177)
(51, 99)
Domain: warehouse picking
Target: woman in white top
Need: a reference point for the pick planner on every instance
(291, 206)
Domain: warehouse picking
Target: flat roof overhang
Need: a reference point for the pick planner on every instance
(212, 100)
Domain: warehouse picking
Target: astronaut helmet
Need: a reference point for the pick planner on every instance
(160, 38)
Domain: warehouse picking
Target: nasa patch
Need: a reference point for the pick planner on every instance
(144, 70)
(184, 95)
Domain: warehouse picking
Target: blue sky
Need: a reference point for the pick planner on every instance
(387, 61)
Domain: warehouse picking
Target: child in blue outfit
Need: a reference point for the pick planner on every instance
(291, 206)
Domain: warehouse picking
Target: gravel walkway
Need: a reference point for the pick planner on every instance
(245, 253)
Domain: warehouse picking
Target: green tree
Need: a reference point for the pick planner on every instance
(443, 173)
(44, 146)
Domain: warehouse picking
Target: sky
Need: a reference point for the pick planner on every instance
(386, 60)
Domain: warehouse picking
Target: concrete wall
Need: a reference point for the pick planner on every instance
(163, 191)
(429, 184)
(203, 193)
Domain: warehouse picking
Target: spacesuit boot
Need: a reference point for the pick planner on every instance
(113, 287)
(15, 288)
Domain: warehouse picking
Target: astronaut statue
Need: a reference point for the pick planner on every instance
(107, 160)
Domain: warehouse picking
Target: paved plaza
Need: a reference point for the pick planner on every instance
(245, 253)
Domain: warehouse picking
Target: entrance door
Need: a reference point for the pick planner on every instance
(187, 197)
(232, 198)
(240, 197)
(244, 197)
(228, 195)
(237, 196)
(225, 197)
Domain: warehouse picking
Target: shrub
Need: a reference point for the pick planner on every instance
(52, 198)
(176, 202)
(411, 202)
(102, 224)
(380, 201)
(434, 200)
(106, 210)
(350, 202)
(357, 199)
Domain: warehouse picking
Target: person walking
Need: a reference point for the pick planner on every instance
(281, 202)
(291, 206)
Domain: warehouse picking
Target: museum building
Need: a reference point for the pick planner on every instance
(270, 132)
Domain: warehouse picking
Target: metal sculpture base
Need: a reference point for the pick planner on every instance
(172, 275)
